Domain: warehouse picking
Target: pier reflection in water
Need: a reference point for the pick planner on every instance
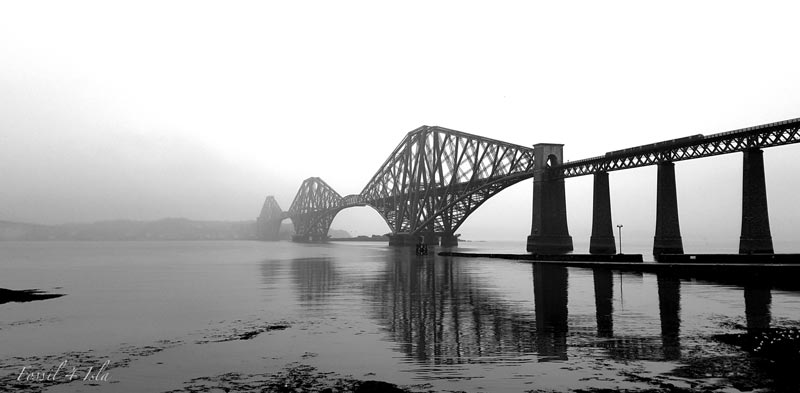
(550, 294)
(604, 301)
(669, 308)
(757, 302)
(441, 311)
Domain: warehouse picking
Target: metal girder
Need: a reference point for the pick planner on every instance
(436, 177)
(697, 146)
(354, 200)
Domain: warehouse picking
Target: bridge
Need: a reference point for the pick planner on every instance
(436, 177)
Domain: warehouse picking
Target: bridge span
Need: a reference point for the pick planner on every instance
(436, 177)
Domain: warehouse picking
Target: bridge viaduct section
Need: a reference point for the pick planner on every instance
(755, 231)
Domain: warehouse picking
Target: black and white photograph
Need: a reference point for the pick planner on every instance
(403, 197)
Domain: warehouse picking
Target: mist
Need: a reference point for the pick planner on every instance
(102, 173)
(202, 109)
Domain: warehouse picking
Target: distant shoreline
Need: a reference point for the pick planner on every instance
(131, 230)
(360, 239)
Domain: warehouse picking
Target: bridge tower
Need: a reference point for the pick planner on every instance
(549, 232)
(268, 223)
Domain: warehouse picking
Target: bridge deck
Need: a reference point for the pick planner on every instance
(687, 148)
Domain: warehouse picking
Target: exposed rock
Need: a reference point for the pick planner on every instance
(25, 295)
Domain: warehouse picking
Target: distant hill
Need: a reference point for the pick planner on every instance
(17, 230)
(164, 229)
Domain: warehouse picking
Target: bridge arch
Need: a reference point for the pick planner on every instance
(459, 208)
(552, 161)
(316, 205)
(335, 213)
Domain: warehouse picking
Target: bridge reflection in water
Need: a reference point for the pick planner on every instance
(438, 310)
(437, 313)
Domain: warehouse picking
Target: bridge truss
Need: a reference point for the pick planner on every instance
(432, 181)
(436, 177)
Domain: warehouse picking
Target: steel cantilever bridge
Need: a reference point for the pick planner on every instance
(436, 177)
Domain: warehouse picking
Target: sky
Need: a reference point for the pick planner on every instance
(144, 110)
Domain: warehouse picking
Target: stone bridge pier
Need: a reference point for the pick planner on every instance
(755, 238)
(602, 240)
(549, 232)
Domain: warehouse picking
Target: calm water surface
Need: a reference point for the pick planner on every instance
(163, 313)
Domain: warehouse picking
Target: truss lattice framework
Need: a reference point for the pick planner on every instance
(315, 206)
(268, 223)
(437, 177)
(310, 210)
(271, 210)
(698, 146)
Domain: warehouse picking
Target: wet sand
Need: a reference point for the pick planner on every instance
(760, 359)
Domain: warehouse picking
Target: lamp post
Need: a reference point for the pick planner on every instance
(620, 238)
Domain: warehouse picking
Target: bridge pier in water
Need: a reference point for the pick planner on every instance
(602, 240)
(430, 238)
(549, 231)
(668, 230)
(404, 239)
(756, 236)
(449, 240)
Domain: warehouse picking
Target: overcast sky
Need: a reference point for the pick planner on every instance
(144, 110)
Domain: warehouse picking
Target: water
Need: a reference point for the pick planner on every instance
(165, 313)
